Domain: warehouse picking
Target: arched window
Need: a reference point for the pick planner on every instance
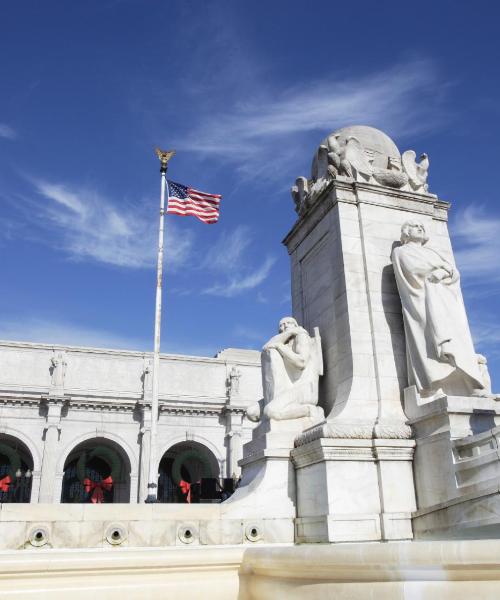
(16, 468)
(182, 468)
(96, 471)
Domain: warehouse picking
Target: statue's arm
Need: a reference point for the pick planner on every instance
(451, 273)
(299, 357)
(280, 338)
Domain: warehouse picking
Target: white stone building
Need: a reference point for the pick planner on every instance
(73, 417)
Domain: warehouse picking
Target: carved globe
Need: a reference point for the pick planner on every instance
(374, 142)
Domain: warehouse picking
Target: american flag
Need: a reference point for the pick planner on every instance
(183, 200)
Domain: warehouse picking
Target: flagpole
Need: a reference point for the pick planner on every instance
(153, 467)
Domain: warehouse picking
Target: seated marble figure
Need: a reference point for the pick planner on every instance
(440, 353)
(291, 366)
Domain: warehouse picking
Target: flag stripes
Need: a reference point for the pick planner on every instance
(186, 201)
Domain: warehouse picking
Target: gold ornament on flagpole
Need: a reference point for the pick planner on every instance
(164, 156)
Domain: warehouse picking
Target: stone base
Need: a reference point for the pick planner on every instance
(472, 516)
(105, 526)
(457, 465)
(327, 529)
(354, 490)
(267, 492)
(431, 570)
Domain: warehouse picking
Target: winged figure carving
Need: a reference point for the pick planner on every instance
(356, 157)
(417, 171)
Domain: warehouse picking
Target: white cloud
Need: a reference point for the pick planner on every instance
(7, 132)
(227, 253)
(236, 285)
(261, 133)
(91, 227)
(478, 245)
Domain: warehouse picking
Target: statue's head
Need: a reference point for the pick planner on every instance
(414, 231)
(287, 323)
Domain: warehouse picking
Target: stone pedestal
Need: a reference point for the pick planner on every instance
(457, 465)
(353, 489)
(266, 497)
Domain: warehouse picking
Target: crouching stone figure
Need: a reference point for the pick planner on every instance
(291, 366)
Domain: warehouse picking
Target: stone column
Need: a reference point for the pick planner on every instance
(144, 457)
(145, 431)
(234, 452)
(52, 432)
(234, 413)
(35, 486)
(134, 488)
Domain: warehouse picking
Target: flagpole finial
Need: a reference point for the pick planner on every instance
(164, 156)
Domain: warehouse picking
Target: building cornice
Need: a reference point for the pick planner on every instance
(127, 353)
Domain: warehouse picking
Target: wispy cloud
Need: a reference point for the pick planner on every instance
(250, 334)
(227, 253)
(257, 134)
(486, 334)
(91, 227)
(236, 285)
(7, 132)
(478, 245)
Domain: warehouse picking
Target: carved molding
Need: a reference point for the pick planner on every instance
(96, 403)
(365, 450)
(26, 401)
(350, 430)
(188, 411)
(392, 431)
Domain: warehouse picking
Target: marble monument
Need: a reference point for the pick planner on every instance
(368, 417)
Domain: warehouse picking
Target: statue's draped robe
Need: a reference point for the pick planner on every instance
(285, 384)
(433, 313)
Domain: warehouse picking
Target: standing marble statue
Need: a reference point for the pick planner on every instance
(440, 354)
(291, 366)
(58, 369)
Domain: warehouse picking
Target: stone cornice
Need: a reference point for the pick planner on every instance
(20, 401)
(352, 450)
(188, 405)
(191, 410)
(363, 193)
(126, 353)
(337, 429)
(101, 406)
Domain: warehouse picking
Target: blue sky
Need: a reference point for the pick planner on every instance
(244, 91)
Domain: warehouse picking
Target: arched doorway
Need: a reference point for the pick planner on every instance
(185, 463)
(16, 469)
(97, 471)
